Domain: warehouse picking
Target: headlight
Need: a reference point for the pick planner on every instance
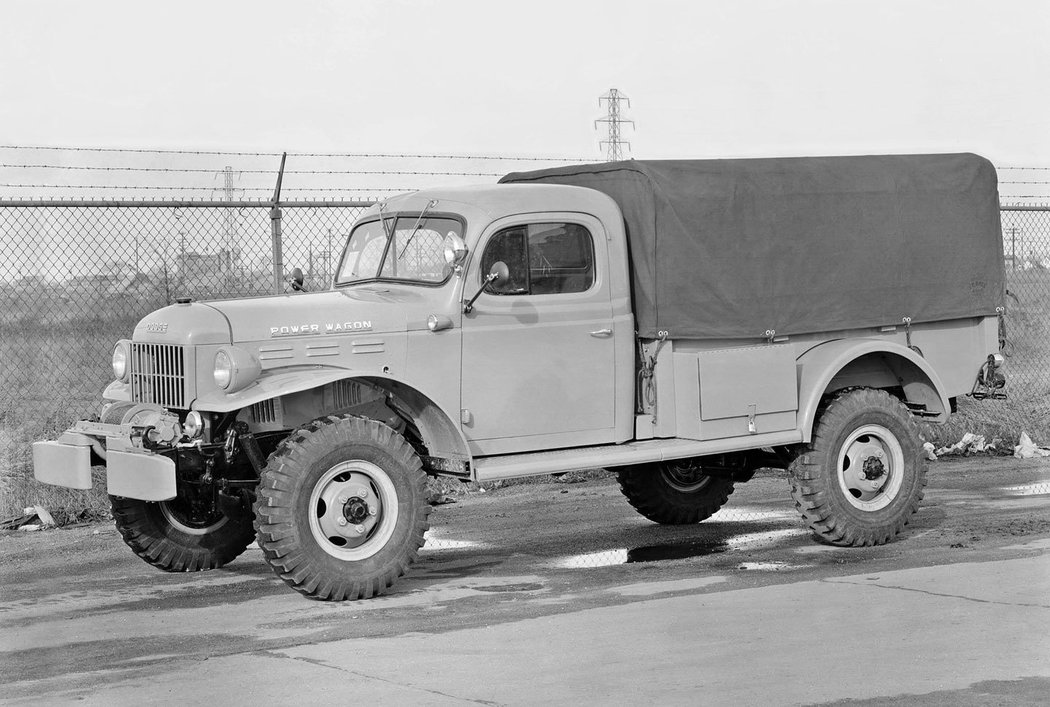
(120, 361)
(234, 368)
(223, 372)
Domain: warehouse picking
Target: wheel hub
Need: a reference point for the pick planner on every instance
(873, 468)
(355, 510)
(870, 465)
(685, 477)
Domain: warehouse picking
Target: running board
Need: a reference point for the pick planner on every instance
(509, 466)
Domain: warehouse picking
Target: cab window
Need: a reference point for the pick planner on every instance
(542, 258)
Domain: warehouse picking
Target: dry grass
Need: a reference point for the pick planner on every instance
(53, 372)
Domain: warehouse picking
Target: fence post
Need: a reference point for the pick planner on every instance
(275, 232)
(278, 258)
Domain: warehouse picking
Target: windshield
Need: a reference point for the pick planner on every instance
(415, 251)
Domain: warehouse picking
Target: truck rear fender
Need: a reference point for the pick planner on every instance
(439, 434)
(872, 363)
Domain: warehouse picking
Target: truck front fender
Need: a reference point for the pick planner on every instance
(875, 363)
(441, 435)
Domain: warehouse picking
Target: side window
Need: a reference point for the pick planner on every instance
(543, 259)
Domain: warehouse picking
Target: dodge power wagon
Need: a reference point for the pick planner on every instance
(680, 323)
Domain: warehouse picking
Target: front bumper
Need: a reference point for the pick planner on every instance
(130, 472)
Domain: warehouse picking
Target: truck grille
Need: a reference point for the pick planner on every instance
(158, 374)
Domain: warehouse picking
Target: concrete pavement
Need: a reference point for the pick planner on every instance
(948, 630)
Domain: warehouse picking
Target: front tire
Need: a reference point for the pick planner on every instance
(863, 474)
(675, 492)
(341, 508)
(170, 536)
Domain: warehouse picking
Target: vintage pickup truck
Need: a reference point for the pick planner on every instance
(681, 323)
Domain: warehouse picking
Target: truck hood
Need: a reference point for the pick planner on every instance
(358, 310)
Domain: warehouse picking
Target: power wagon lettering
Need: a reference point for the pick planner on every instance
(329, 328)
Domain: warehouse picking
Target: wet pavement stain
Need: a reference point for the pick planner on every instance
(645, 553)
(675, 551)
(523, 587)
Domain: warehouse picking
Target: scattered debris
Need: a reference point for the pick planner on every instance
(32, 518)
(1027, 449)
(927, 448)
(440, 499)
(969, 444)
(578, 476)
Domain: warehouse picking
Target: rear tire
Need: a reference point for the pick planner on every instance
(341, 508)
(861, 478)
(166, 535)
(674, 492)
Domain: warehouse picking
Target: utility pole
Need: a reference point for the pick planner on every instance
(229, 222)
(613, 143)
(1013, 246)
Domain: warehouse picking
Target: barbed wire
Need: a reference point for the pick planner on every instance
(213, 189)
(359, 155)
(248, 171)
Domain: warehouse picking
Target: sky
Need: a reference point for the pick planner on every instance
(705, 79)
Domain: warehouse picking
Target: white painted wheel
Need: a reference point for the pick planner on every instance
(870, 467)
(354, 510)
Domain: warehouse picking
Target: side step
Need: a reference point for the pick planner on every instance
(509, 466)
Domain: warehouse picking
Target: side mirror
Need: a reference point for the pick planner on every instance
(296, 280)
(498, 271)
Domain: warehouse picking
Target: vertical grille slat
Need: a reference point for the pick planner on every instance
(158, 374)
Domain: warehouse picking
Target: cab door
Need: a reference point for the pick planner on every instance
(538, 355)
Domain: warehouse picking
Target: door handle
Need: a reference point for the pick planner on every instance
(602, 333)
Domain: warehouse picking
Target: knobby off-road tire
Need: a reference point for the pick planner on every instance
(167, 536)
(861, 478)
(675, 492)
(341, 508)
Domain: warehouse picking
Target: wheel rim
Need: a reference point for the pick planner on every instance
(353, 510)
(871, 467)
(178, 519)
(684, 478)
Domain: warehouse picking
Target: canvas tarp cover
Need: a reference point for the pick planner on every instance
(734, 248)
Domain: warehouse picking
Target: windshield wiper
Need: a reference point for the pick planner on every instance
(432, 202)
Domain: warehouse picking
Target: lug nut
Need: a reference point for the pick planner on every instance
(340, 520)
(371, 511)
(359, 528)
(341, 499)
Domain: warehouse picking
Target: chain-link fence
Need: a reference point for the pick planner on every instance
(77, 276)
(1026, 245)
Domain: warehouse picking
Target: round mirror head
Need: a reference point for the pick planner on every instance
(499, 272)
